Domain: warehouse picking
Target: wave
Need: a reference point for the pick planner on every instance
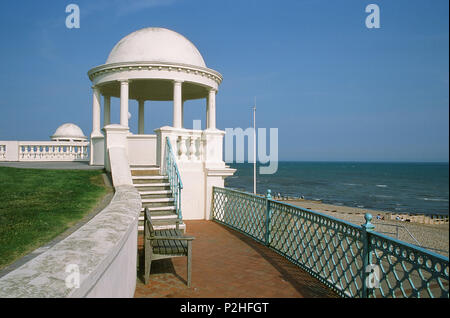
(434, 199)
(381, 186)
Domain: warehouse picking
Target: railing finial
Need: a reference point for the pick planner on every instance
(269, 194)
(368, 226)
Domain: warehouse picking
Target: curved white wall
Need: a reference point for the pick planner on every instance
(104, 250)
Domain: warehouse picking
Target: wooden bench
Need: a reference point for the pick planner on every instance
(160, 244)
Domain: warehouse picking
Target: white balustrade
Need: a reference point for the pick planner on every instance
(52, 151)
(192, 146)
(2, 152)
(183, 149)
(189, 146)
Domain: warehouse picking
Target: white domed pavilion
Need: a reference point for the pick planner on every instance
(153, 64)
(69, 132)
(157, 64)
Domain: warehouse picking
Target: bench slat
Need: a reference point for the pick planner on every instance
(169, 247)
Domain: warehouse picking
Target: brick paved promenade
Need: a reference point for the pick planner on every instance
(228, 264)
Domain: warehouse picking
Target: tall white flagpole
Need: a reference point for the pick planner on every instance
(254, 148)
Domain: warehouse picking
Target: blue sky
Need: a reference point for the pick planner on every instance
(334, 89)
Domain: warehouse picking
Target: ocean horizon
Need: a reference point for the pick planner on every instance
(398, 187)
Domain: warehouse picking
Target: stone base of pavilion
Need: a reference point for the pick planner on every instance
(228, 264)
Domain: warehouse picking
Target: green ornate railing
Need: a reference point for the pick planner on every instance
(353, 260)
(173, 174)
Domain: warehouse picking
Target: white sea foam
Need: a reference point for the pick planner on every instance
(434, 199)
(381, 186)
(383, 196)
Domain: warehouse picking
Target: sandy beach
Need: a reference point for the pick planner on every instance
(434, 237)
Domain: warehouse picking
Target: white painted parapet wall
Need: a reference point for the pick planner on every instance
(104, 250)
(44, 151)
(116, 154)
(142, 149)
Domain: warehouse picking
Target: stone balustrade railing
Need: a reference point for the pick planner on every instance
(190, 146)
(44, 151)
(2, 152)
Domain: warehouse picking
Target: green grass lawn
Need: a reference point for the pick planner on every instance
(38, 205)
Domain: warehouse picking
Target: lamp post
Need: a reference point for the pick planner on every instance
(254, 148)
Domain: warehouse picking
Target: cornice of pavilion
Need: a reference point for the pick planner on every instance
(190, 70)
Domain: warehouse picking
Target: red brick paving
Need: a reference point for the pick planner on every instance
(228, 264)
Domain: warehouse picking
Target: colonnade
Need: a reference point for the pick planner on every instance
(178, 108)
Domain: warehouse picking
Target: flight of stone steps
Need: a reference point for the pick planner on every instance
(156, 195)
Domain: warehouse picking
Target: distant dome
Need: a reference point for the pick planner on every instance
(156, 45)
(68, 132)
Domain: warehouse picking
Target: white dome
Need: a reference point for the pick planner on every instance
(156, 45)
(69, 132)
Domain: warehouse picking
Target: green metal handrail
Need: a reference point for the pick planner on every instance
(173, 174)
(353, 260)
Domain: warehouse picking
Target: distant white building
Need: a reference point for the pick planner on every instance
(68, 143)
(69, 132)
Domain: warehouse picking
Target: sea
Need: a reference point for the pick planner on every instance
(392, 187)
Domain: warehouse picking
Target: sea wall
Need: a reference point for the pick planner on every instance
(98, 260)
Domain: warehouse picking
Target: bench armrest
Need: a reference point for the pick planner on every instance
(178, 238)
(165, 220)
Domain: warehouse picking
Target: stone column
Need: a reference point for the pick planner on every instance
(124, 91)
(141, 122)
(207, 111)
(182, 113)
(211, 110)
(96, 112)
(106, 110)
(177, 104)
(96, 142)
